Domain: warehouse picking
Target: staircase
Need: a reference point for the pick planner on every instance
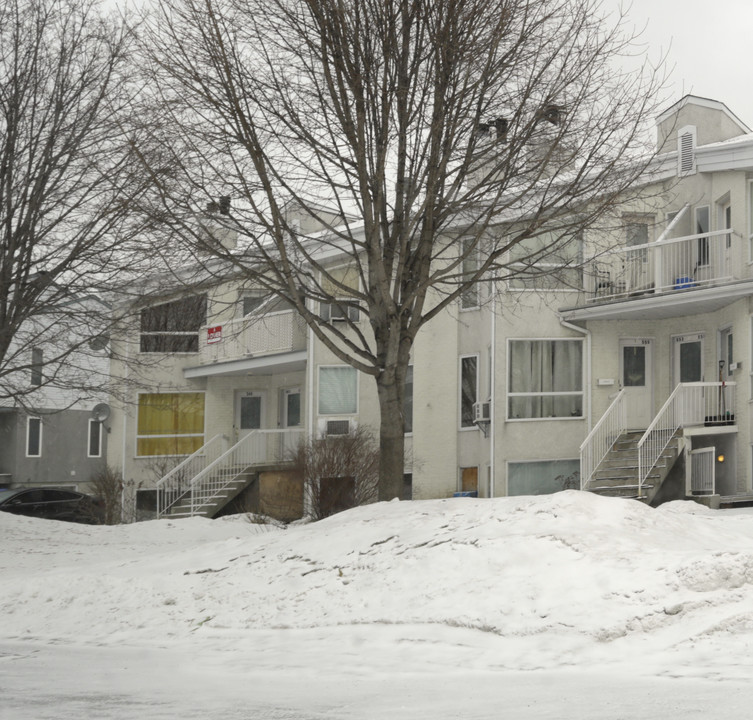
(617, 474)
(614, 461)
(212, 476)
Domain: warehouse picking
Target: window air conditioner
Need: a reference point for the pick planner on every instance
(340, 426)
(330, 312)
(482, 412)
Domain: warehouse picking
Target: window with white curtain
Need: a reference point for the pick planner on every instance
(338, 390)
(545, 379)
(468, 389)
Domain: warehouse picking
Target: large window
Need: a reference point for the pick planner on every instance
(545, 379)
(174, 326)
(170, 423)
(94, 439)
(470, 296)
(542, 477)
(338, 390)
(340, 283)
(547, 262)
(37, 362)
(468, 389)
(702, 225)
(408, 401)
(33, 437)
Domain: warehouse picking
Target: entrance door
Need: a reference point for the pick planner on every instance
(249, 411)
(637, 378)
(687, 358)
(290, 418)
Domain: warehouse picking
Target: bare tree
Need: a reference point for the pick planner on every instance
(440, 134)
(338, 472)
(67, 177)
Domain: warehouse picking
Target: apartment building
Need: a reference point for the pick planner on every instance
(623, 368)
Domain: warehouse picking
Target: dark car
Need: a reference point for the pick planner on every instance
(53, 504)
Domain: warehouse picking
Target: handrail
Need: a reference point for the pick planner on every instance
(687, 405)
(602, 437)
(174, 482)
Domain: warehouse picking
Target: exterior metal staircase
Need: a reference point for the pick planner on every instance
(617, 474)
(211, 477)
(614, 461)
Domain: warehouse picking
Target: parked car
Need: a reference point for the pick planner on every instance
(53, 504)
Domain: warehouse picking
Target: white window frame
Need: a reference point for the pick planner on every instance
(37, 367)
(470, 297)
(98, 424)
(528, 461)
(41, 430)
(138, 437)
(472, 426)
(353, 314)
(509, 394)
(333, 416)
(409, 433)
(749, 203)
(548, 268)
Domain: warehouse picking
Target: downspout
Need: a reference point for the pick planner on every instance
(124, 433)
(492, 393)
(587, 334)
(310, 402)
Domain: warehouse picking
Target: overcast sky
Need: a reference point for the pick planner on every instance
(707, 45)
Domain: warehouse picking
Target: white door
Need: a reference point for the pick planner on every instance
(249, 412)
(637, 378)
(290, 418)
(687, 358)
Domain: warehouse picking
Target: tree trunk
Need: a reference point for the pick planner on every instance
(391, 434)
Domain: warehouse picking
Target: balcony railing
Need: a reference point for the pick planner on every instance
(252, 336)
(671, 265)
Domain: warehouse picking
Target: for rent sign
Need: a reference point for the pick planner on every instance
(214, 334)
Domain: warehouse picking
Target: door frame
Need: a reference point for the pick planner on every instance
(635, 419)
(237, 395)
(674, 355)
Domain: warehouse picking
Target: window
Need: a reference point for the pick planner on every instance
(252, 302)
(37, 361)
(542, 477)
(338, 390)
(548, 261)
(170, 423)
(94, 441)
(408, 401)
(174, 326)
(407, 487)
(341, 284)
(750, 219)
(468, 389)
(470, 263)
(33, 437)
(545, 379)
(291, 407)
(702, 226)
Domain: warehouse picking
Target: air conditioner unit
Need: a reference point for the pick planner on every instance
(333, 427)
(331, 312)
(482, 412)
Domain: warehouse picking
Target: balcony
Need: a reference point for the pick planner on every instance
(671, 277)
(271, 341)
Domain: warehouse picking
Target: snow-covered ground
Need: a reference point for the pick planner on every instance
(561, 606)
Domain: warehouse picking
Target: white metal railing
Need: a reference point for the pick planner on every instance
(255, 335)
(669, 265)
(699, 403)
(703, 471)
(259, 447)
(172, 486)
(600, 440)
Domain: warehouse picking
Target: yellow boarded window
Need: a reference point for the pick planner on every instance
(170, 423)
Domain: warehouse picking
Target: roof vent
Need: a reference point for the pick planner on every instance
(686, 151)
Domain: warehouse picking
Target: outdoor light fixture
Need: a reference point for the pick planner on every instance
(720, 458)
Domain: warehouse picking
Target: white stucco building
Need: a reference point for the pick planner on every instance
(520, 388)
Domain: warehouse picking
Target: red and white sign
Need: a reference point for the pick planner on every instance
(214, 334)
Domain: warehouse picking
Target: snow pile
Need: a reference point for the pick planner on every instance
(552, 581)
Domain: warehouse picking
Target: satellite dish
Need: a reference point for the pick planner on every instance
(101, 412)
